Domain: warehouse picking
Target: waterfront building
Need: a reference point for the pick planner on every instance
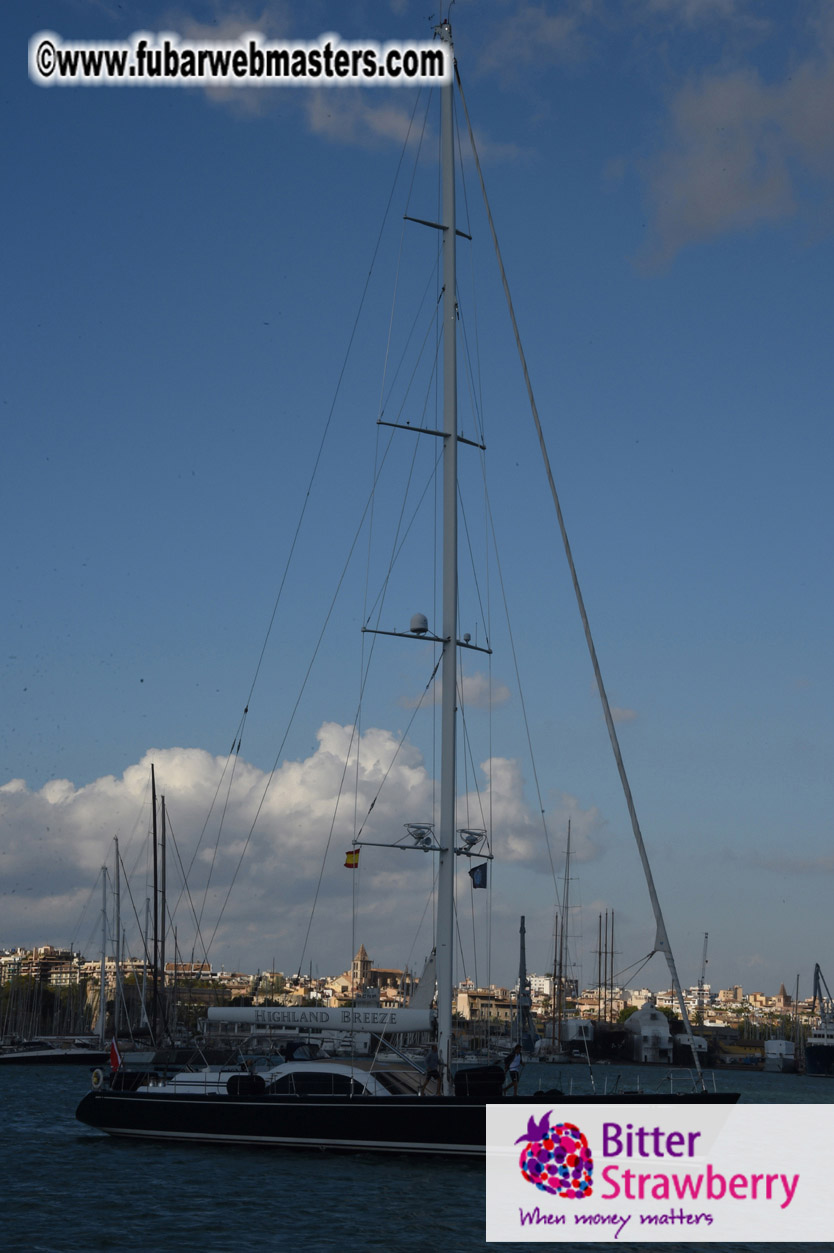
(650, 1035)
(484, 1005)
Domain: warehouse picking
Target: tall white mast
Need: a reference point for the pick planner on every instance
(446, 868)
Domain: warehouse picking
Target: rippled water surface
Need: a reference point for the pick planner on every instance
(66, 1188)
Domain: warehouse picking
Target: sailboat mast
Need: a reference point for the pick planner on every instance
(523, 1030)
(163, 901)
(102, 993)
(554, 982)
(155, 964)
(448, 711)
(117, 931)
(563, 942)
(144, 1020)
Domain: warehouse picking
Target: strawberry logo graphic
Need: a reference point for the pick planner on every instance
(556, 1158)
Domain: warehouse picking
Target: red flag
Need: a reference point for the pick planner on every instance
(115, 1056)
(352, 858)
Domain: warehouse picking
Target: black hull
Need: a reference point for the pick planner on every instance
(449, 1125)
(819, 1061)
(56, 1057)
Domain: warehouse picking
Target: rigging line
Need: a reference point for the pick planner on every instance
(223, 813)
(473, 564)
(469, 764)
(474, 934)
(327, 844)
(476, 380)
(144, 849)
(400, 534)
(380, 598)
(475, 388)
(364, 666)
(391, 321)
(330, 414)
(357, 718)
(423, 131)
(476, 394)
(489, 825)
(431, 276)
(231, 753)
(367, 509)
(362, 645)
(186, 891)
(297, 702)
(126, 883)
(403, 739)
(437, 610)
(378, 603)
(462, 168)
(353, 894)
(490, 742)
(385, 396)
(80, 920)
(467, 751)
(661, 937)
(127, 842)
(470, 377)
(419, 927)
(523, 701)
(431, 325)
(491, 526)
(629, 971)
(370, 807)
(484, 609)
(136, 822)
(461, 954)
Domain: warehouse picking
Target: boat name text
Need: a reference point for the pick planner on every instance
(343, 1018)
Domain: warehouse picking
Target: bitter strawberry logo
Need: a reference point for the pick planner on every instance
(557, 1158)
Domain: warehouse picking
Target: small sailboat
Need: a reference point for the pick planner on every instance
(301, 1098)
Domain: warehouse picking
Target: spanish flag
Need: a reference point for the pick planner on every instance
(352, 858)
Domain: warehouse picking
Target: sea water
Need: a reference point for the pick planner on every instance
(68, 1189)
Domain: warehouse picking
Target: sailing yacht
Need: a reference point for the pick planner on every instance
(300, 1097)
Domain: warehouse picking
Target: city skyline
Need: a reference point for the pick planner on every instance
(27, 961)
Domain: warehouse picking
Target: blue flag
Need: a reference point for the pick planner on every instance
(478, 875)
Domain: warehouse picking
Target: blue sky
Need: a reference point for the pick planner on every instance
(183, 269)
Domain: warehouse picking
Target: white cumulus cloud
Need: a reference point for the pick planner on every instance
(282, 841)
